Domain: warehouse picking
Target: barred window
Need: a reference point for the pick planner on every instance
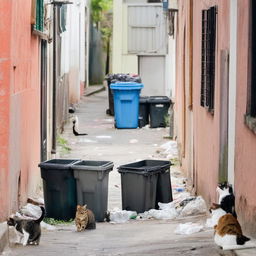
(208, 58)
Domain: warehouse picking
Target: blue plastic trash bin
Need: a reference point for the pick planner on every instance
(126, 104)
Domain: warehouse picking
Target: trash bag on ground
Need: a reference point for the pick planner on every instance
(188, 228)
(166, 211)
(121, 216)
(195, 207)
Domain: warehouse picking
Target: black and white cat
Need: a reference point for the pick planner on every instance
(227, 230)
(28, 231)
(75, 127)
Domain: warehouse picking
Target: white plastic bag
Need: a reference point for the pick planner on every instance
(195, 207)
(166, 211)
(121, 216)
(188, 228)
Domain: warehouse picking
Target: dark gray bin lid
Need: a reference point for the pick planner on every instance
(91, 165)
(144, 99)
(145, 167)
(159, 100)
(58, 163)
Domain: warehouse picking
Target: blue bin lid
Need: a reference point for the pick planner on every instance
(126, 86)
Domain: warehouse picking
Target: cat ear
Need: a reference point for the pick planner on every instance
(85, 206)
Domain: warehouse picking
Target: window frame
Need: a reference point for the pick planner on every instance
(208, 57)
(37, 15)
(250, 116)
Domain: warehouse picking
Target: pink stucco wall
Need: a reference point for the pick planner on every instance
(205, 125)
(5, 11)
(245, 161)
(22, 114)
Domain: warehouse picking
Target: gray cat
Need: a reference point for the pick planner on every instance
(28, 230)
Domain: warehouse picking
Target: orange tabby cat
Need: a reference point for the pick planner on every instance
(84, 218)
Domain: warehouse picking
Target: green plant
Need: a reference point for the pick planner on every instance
(98, 8)
(63, 144)
(54, 222)
(167, 120)
(175, 161)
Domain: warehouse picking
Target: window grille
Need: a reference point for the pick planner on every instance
(208, 58)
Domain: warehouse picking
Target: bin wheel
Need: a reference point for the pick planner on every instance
(108, 112)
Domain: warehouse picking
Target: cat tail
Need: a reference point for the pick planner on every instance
(241, 239)
(91, 226)
(42, 216)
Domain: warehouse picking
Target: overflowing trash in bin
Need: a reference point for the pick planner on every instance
(114, 78)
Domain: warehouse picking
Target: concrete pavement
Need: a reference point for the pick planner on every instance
(137, 237)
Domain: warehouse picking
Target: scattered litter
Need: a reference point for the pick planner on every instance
(30, 210)
(87, 141)
(167, 211)
(146, 127)
(159, 129)
(169, 149)
(116, 186)
(108, 120)
(195, 207)
(155, 145)
(47, 226)
(188, 228)
(180, 189)
(103, 137)
(132, 141)
(187, 200)
(121, 216)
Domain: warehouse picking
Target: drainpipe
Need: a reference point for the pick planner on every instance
(54, 94)
(56, 5)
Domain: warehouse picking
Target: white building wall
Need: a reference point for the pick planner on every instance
(75, 49)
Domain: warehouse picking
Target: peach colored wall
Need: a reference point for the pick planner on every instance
(5, 34)
(23, 132)
(182, 109)
(205, 125)
(245, 161)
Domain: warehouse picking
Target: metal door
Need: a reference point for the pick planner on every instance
(152, 72)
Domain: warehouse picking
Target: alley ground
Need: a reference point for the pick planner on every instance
(136, 237)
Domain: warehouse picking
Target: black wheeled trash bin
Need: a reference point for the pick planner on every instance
(59, 188)
(164, 187)
(158, 110)
(143, 111)
(92, 185)
(139, 181)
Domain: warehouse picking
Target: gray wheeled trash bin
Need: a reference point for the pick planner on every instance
(92, 185)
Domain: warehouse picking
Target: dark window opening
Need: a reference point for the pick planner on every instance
(208, 58)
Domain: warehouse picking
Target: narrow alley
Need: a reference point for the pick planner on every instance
(136, 115)
(136, 237)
